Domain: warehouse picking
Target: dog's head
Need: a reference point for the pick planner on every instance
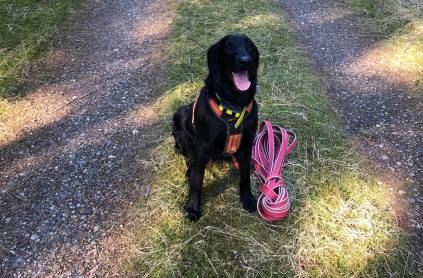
(233, 64)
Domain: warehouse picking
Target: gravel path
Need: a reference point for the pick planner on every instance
(382, 116)
(75, 165)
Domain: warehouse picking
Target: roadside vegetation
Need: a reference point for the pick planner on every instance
(399, 25)
(341, 224)
(388, 15)
(25, 29)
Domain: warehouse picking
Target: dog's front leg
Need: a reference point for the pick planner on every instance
(246, 197)
(195, 175)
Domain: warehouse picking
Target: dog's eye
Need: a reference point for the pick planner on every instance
(250, 47)
(228, 43)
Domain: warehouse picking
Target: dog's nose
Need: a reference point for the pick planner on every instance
(244, 61)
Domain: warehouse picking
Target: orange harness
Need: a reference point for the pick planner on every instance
(233, 121)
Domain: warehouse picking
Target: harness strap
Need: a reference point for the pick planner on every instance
(193, 110)
(215, 108)
(234, 130)
(233, 142)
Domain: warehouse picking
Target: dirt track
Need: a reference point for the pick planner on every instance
(76, 165)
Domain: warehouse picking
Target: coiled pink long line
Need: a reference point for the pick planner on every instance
(271, 145)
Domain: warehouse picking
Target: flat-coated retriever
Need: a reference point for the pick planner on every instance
(223, 119)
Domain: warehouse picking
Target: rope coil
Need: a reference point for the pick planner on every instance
(271, 145)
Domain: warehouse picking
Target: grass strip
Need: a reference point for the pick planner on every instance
(387, 16)
(341, 223)
(25, 29)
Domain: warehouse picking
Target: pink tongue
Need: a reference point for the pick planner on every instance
(241, 80)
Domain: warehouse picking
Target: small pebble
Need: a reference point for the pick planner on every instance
(35, 238)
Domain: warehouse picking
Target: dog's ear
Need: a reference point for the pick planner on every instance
(213, 58)
(256, 53)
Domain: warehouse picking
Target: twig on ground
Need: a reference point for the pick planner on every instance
(73, 100)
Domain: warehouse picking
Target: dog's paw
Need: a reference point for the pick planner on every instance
(249, 203)
(192, 214)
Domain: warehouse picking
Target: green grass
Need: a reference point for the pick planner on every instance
(25, 26)
(388, 15)
(341, 224)
(399, 25)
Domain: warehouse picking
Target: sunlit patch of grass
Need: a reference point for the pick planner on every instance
(400, 57)
(177, 96)
(340, 224)
(270, 19)
(400, 24)
(25, 27)
(386, 16)
(347, 225)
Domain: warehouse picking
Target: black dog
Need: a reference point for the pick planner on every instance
(223, 119)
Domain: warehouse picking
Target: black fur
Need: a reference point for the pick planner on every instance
(233, 53)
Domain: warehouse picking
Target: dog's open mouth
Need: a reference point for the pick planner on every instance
(241, 80)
